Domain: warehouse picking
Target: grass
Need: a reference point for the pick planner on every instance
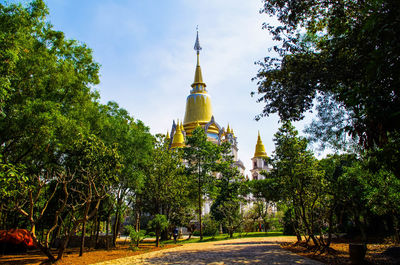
(224, 237)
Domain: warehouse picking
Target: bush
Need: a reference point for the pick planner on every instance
(158, 224)
(211, 227)
(136, 236)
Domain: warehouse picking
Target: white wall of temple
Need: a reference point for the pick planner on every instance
(259, 165)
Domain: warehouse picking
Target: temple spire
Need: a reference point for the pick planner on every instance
(198, 77)
(197, 46)
(260, 149)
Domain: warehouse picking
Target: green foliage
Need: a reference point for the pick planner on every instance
(230, 186)
(158, 224)
(135, 236)
(289, 222)
(12, 178)
(202, 158)
(167, 189)
(211, 227)
(231, 217)
(342, 57)
(62, 152)
(299, 180)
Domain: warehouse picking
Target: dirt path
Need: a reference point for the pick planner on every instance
(265, 250)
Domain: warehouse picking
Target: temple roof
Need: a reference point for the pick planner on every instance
(260, 149)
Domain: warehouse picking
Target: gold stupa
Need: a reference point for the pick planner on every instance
(198, 103)
(260, 149)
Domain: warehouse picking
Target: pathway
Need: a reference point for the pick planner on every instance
(265, 250)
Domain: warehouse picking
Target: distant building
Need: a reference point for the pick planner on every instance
(259, 162)
(199, 113)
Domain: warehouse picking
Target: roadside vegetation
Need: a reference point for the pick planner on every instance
(75, 173)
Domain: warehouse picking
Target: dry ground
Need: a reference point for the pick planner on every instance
(339, 253)
(258, 250)
(35, 257)
(233, 248)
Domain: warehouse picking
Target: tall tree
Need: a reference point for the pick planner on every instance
(295, 171)
(167, 190)
(97, 167)
(201, 157)
(134, 144)
(45, 91)
(230, 192)
(341, 56)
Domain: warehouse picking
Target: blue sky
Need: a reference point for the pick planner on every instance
(145, 49)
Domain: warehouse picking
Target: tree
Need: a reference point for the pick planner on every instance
(134, 144)
(158, 224)
(97, 167)
(45, 91)
(373, 192)
(342, 56)
(230, 192)
(167, 190)
(296, 171)
(201, 157)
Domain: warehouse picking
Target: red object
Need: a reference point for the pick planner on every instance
(17, 236)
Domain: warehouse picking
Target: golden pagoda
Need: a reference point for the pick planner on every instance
(198, 103)
(198, 112)
(260, 149)
(178, 141)
(259, 160)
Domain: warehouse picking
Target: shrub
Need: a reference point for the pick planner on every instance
(136, 236)
(158, 224)
(211, 227)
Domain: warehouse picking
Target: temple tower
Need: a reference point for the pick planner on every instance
(258, 161)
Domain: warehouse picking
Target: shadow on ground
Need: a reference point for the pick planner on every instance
(21, 260)
(232, 253)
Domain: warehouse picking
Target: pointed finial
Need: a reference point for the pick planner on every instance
(167, 136)
(197, 46)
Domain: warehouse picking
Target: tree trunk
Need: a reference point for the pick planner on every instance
(199, 190)
(97, 231)
(137, 223)
(295, 223)
(330, 225)
(107, 229)
(42, 248)
(116, 228)
(92, 230)
(396, 228)
(82, 239)
(66, 240)
(361, 226)
(157, 238)
(190, 230)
